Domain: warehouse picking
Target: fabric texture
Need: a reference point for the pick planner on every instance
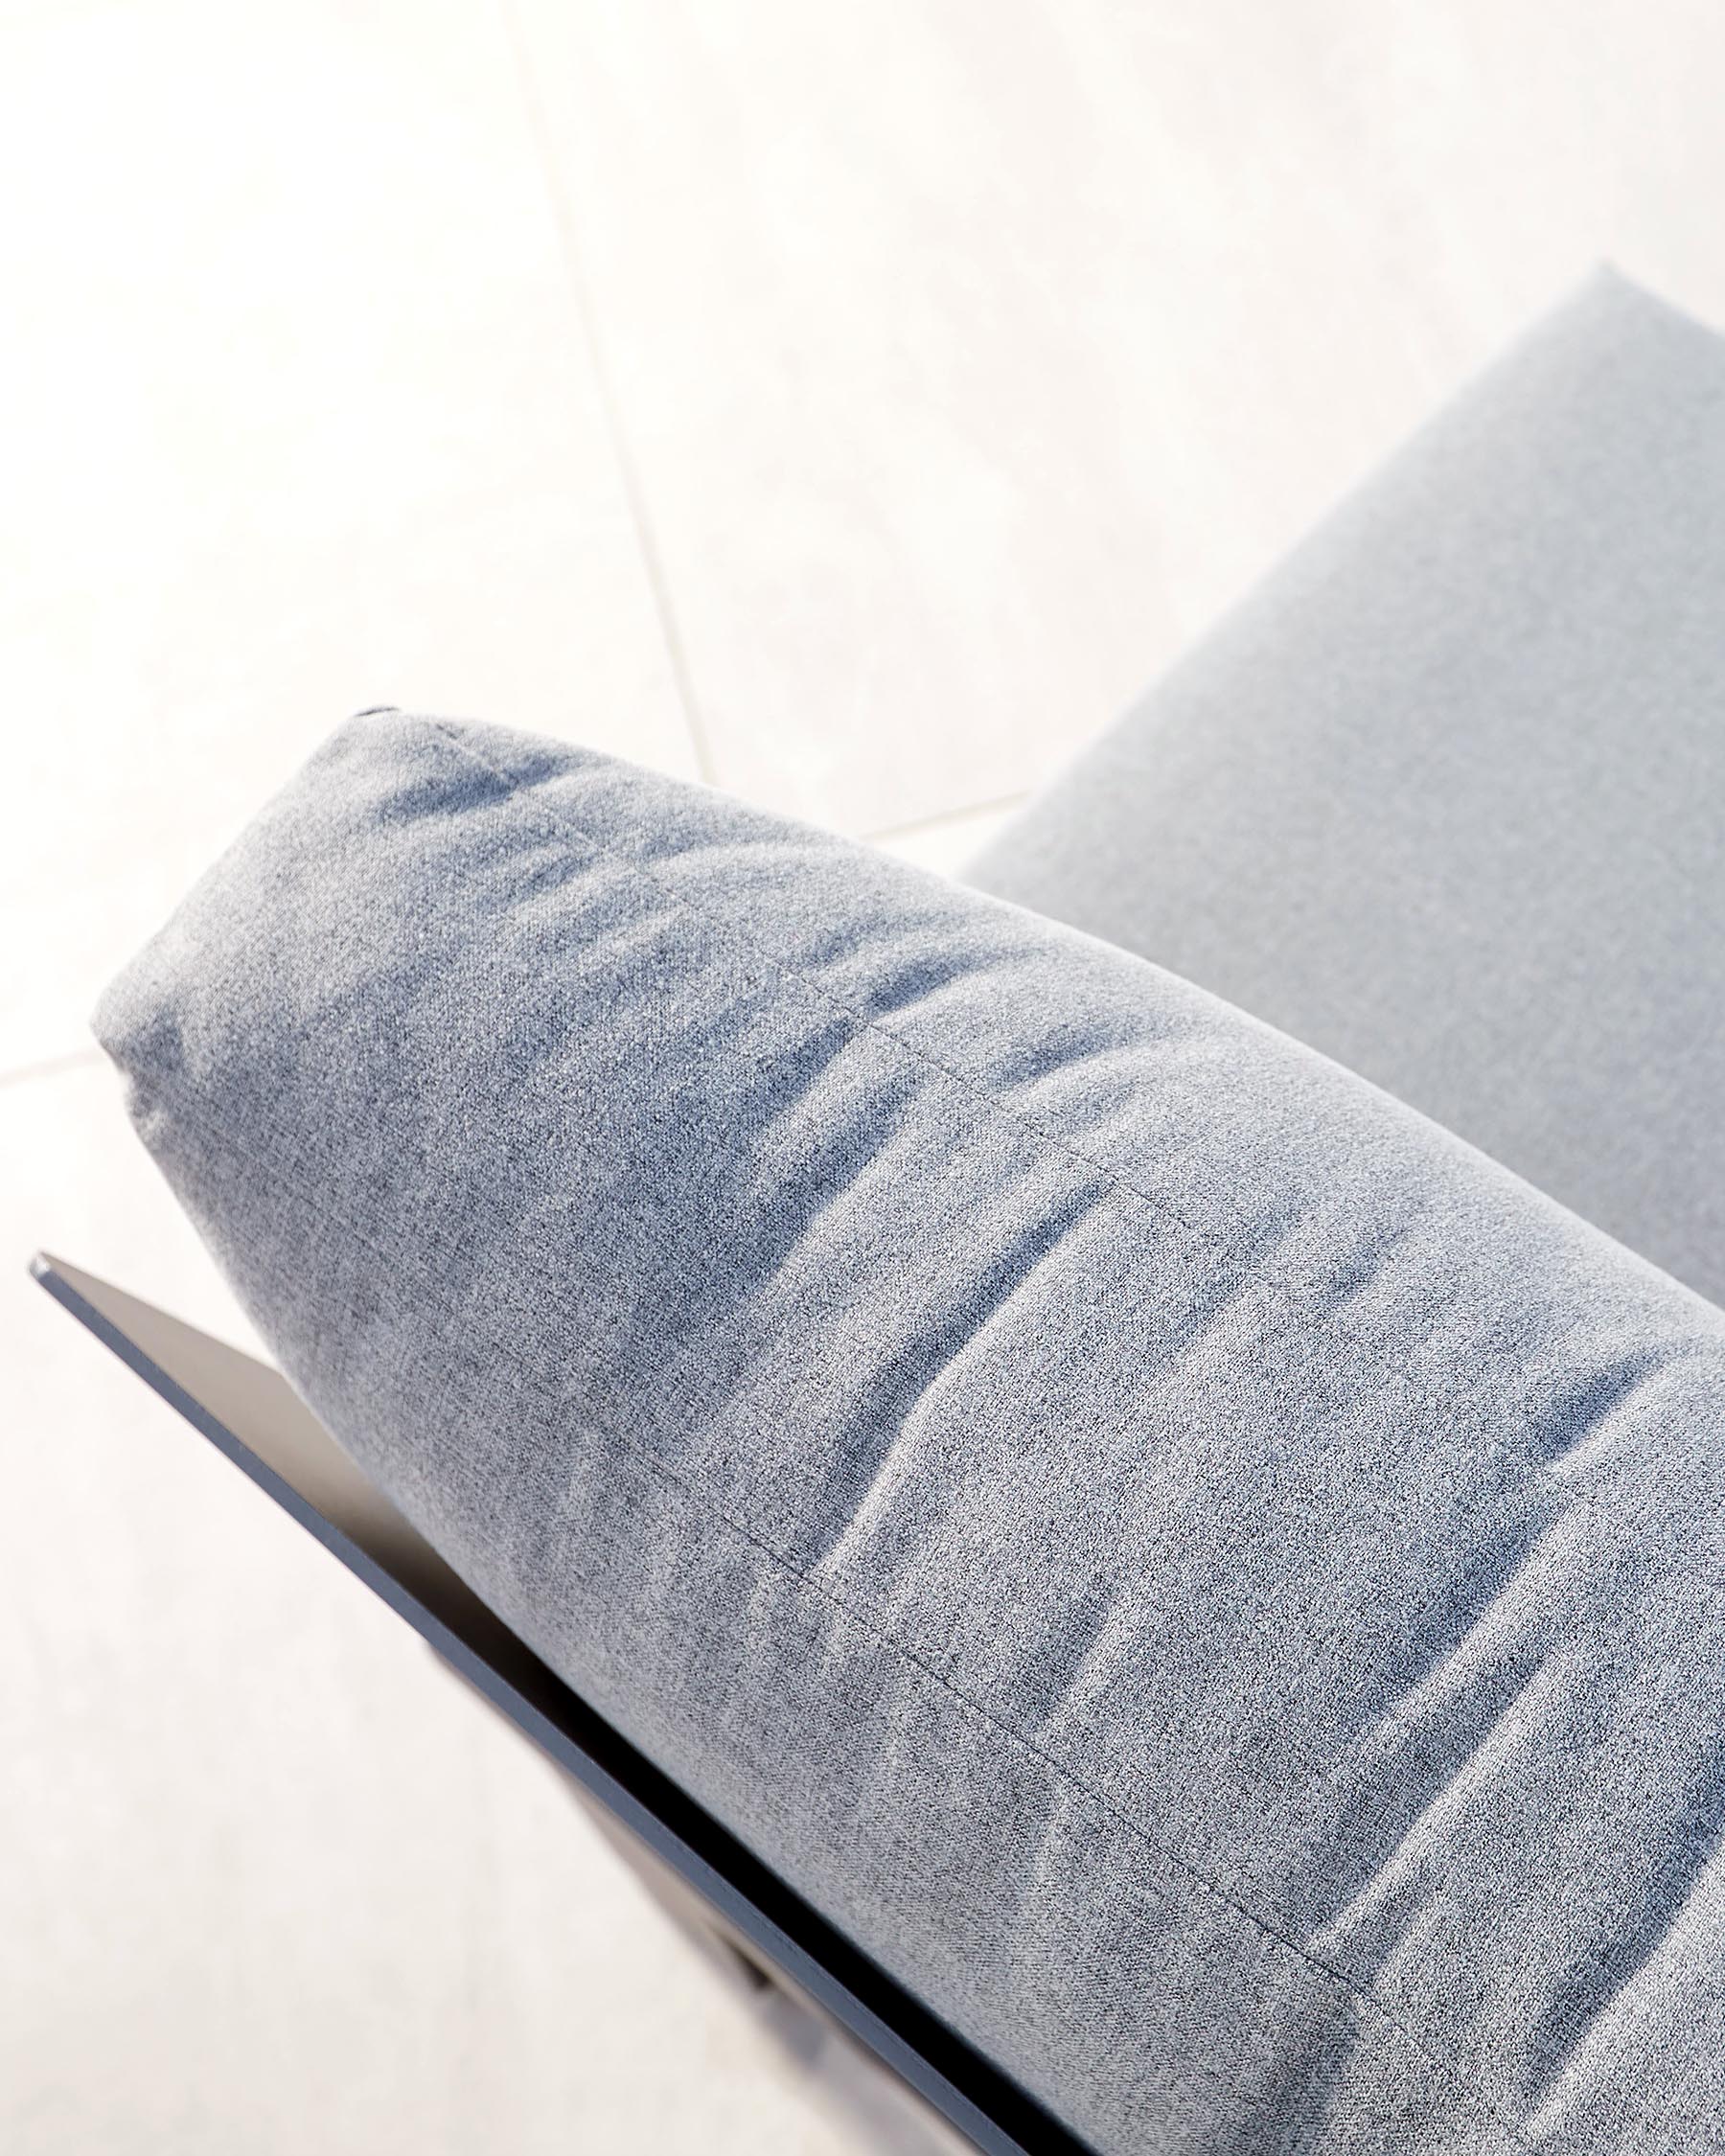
(1210, 1580)
(1445, 798)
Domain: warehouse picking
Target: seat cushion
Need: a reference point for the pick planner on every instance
(1210, 1580)
(1445, 798)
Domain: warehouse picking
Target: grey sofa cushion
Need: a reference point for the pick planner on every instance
(1210, 1580)
(1446, 797)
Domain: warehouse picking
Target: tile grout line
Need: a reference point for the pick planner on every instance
(586, 310)
(916, 825)
(50, 1067)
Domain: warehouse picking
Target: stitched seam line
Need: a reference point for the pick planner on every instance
(822, 1591)
(552, 820)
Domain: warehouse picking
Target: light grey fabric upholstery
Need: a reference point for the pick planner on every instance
(1213, 1582)
(1446, 797)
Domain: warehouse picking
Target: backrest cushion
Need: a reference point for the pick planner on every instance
(1210, 1580)
(1445, 796)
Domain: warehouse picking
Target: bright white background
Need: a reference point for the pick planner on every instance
(851, 405)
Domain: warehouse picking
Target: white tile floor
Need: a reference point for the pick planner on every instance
(850, 404)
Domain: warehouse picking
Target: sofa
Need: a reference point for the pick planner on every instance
(1146, 1429)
